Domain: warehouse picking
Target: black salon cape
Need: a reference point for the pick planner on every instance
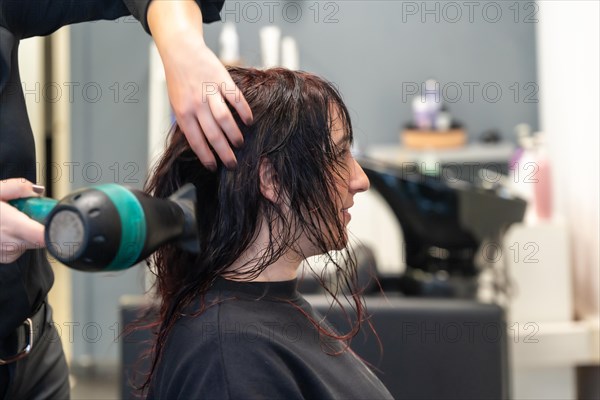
(256, 343)
(25, 283)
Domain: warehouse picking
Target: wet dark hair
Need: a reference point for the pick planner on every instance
(293, 116)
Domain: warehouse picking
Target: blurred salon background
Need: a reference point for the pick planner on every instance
(477, 123)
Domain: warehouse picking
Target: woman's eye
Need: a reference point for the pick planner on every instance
(343, 152)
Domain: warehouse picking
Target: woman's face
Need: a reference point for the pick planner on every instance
(350, 177)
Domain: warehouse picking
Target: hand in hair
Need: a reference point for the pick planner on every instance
(198, 83)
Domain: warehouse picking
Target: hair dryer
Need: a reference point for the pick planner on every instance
(110, 227)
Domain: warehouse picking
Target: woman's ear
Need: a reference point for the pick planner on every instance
(268, 181)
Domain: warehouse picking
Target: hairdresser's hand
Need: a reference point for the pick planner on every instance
(197, 82)
(18, 232)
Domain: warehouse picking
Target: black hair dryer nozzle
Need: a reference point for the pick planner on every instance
(110, 227)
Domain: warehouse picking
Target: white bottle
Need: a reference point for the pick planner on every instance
(269, 44)
(230, 45)
(290, 58)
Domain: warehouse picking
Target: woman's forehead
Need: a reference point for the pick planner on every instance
(339, 131)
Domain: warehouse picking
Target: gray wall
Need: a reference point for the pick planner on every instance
(108, 135)
(376, 50)
(373, 50)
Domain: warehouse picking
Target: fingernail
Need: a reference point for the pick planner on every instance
(211, 167)
(239, 143)
(39, 189)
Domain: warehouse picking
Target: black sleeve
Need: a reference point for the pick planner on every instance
(26, 18)
(210, 10)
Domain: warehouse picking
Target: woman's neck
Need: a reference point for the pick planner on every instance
(285, 268)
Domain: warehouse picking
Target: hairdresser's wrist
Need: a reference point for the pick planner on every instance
(170, 21)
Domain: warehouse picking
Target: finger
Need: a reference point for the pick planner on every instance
(195, 137)
(29, 231)
(216, 137)
(15, 188)
(225, 120)
(18, 227)
(238, 101)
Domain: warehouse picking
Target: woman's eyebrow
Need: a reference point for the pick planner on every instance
(346, 139)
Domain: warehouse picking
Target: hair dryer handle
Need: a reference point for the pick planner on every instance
(36, 208)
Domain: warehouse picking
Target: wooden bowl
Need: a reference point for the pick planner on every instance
(423, 139)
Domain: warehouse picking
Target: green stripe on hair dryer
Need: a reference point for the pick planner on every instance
(110, 227)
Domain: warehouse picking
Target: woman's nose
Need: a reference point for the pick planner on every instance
(360, 181)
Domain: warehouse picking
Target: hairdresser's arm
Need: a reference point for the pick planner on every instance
(197, 82)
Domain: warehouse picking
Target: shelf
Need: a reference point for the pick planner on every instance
(555, 344)
(475, 152)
